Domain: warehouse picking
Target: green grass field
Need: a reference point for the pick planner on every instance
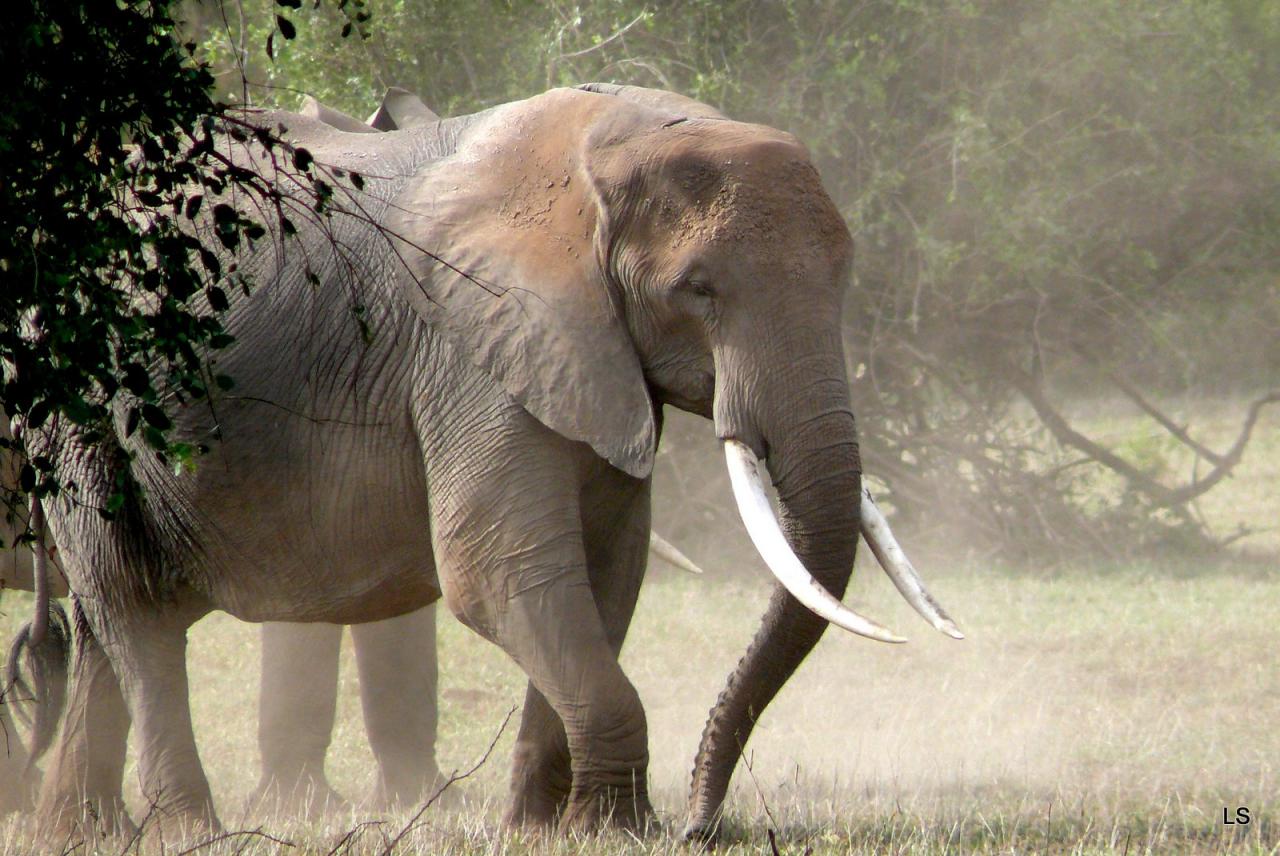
(1093, 709)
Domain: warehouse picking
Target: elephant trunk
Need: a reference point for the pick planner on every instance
(814, 462)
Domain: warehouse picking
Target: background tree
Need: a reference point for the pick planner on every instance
(1050, 201)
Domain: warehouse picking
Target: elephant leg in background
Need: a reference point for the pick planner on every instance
(86, 771)
(398, 685)
(616, 539)
(297, 705)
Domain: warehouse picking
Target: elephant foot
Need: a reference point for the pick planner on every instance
(172, 827)
(533, 811)
(704, 835)
(403, 791)
(65, 822)
(306, 795)
(626, 809)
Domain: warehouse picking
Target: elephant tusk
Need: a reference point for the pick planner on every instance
(665, 550)
(896, 564)
(765, 533)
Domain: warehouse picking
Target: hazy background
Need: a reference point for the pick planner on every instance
(1061, 209)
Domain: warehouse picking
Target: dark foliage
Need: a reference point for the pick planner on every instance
(111, 298)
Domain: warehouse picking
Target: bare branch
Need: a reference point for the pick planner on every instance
(1154, 412)
(453, 778)
(1160, 496)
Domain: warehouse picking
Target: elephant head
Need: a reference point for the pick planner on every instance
(694, 261)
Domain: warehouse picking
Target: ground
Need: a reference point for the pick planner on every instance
(1093, 708)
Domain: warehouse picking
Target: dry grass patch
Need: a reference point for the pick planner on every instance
(1093, 709)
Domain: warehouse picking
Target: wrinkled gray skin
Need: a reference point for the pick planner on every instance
(492, 440)
(395, 659)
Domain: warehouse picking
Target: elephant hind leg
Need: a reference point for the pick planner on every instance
(83, 786)
(148, 650)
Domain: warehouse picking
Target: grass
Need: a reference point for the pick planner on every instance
(1093, 710)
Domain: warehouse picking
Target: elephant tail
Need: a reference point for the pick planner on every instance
(35, 681)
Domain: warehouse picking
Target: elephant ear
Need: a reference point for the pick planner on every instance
(313, 109)
(502, 245)
(401, 109)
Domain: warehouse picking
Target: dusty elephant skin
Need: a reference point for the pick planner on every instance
(484, 430)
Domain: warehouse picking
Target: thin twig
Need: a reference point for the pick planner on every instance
(1154, 412)
(453, 777)
(346, 840)
(223, 836)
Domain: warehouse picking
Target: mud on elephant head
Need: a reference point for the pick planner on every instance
(539, 279)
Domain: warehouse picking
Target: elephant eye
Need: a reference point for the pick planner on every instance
(698, 288)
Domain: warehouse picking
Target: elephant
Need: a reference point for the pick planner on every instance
(453, 388)
(396, 658)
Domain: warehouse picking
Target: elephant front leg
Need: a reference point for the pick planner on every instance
(615, 538)
(554, 632)
(541, 776)
(513, 567)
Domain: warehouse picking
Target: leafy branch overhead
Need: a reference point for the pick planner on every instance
(113, 285)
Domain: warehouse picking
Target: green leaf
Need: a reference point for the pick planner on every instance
(131, 421)
(217, 299)
(156, 417)
(136, 379)
(224, 214)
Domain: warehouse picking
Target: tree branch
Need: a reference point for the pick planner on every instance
(1160, 495)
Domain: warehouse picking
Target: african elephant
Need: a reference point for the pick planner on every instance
(468, 406)
(396, 658)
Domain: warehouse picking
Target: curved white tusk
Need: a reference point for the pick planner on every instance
(765, 533)
(896, 564)
(665, 550)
